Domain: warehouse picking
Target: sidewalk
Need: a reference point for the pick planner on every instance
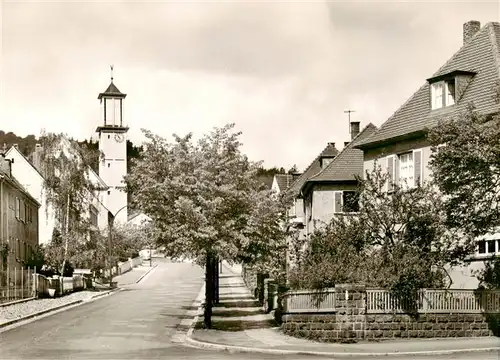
(239, 324)
(134, 275)
(15, 313)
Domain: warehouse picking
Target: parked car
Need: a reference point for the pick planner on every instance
(145, 254)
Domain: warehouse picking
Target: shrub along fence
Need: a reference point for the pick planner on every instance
(352, 312)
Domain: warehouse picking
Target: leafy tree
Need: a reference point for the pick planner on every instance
(68, 191)
(204, 199)
(129, 239)
(489, 277)
(397, 240)
(37, 259)
(293, 170)
(467, 170)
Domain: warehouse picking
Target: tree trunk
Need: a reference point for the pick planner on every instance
(216, 282)
(66, 237)
(208, 291)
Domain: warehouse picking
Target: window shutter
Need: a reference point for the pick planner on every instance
(338, 201)
(396, 169)
(417, 167)
(390, 170)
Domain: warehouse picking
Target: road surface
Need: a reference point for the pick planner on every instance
(137, 323)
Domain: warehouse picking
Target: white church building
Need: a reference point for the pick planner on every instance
(111, 198)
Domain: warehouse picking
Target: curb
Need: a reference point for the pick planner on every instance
(17, 302)
(244, 349)
(147, 272)
(188, 324)
(54, 309)
(199, 301)
(43, 312)
(104, 293)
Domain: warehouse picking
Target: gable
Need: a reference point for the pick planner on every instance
(480, 56)
(281, 182)
(313, 169)
(96, 179)
(346, 165)
(14, 153)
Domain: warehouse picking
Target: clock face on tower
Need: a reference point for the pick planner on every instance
(119, 137)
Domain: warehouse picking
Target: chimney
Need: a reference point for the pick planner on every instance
(354, 129)
(470, 29)
(5, 166)
(346, 143)
(16, 146)
(36, 157)
(332, 144)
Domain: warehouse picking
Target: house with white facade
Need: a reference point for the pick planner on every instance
(400, 146)
(109, 199)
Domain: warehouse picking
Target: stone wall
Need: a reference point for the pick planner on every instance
(254, 281)
(249, 277)
(350, 322)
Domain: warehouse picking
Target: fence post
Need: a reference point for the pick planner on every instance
(425, 301)
(8, 282)
(15, 283)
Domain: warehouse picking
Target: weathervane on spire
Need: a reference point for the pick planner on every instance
(111, 66)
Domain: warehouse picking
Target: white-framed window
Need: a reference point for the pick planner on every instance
(443, 94)
(488, 247)
(437, 95)
(346, 201)
(93, 215)
(406, 170)
(18, 208)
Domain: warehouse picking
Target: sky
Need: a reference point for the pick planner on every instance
(283, 72)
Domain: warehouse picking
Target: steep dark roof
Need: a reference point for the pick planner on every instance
(346, 165)
(284, 181)
(329, 151)
(479, 55)
(312, 169)
(112, 90)
(132, 215)
(267, 180)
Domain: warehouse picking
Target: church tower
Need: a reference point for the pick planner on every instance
(113, 147)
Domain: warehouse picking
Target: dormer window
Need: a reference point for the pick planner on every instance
(443, 94)
(325, 162)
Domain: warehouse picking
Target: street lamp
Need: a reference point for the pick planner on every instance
(111, 220)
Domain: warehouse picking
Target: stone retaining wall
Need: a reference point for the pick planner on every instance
(351, 323)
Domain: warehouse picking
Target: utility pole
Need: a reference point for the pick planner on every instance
(348, 112)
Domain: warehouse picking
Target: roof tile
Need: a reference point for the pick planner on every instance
(349, 163)
(479, 55)
(312, 169)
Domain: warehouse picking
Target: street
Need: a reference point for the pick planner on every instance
(136, 323)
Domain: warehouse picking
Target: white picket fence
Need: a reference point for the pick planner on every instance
(381, 301)
(307, 301)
